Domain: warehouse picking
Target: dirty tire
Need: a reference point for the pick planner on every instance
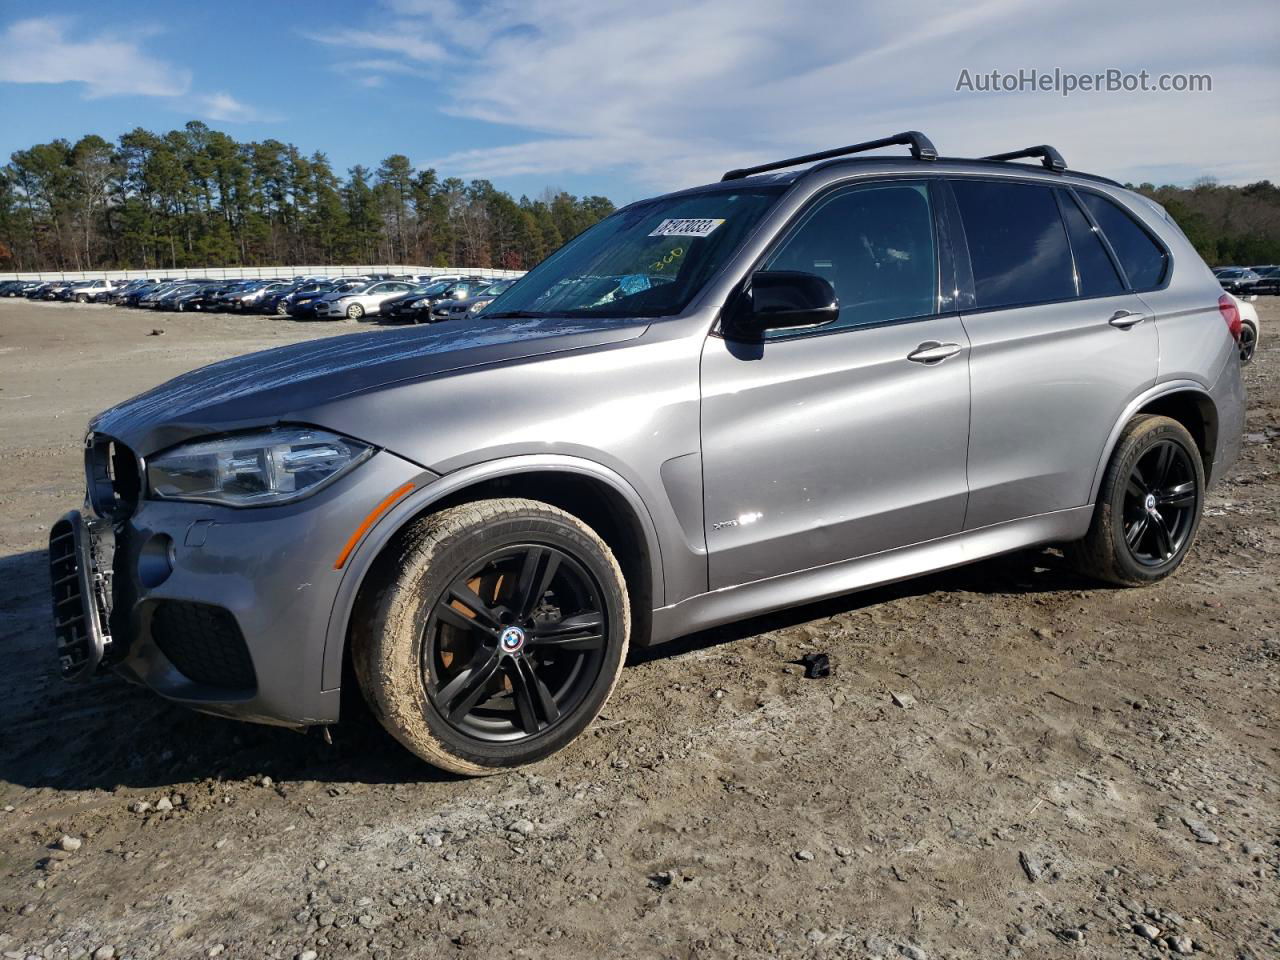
(1103, 553)
(402, 589)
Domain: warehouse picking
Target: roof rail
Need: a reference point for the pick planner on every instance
(1050, 157)
(921, 148)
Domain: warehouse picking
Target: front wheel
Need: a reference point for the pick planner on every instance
(492, 634)
(81, 298)
(355, 311)
(1248, 342)
(1149, 507)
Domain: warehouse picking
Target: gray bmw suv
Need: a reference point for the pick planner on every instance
(811, 377)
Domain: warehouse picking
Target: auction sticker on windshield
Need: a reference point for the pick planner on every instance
(686, 228)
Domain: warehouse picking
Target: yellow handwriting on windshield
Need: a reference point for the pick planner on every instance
(663, 262)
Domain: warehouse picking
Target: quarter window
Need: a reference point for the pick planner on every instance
(1143, 260)
(1017, 244)
(1098, 276)
(875, 244)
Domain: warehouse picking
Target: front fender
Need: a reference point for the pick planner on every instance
(420, 500)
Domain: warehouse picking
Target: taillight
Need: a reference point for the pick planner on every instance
(1231, 314)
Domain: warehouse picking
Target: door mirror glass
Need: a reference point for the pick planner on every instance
(780, 299)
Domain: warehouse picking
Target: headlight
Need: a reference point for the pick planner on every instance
(420, 304)
(479, 305)
(251, 469)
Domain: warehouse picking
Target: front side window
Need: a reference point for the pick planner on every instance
(647, 260)
(1017, 243)
(1143, 260)
(875, 244)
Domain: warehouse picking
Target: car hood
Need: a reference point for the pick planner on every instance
(284, 384)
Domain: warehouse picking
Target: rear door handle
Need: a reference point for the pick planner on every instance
(931, 351)
(1124, 319)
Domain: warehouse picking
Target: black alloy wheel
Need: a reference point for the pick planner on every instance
(1160, 503)
(1248, 342)
(514, 644)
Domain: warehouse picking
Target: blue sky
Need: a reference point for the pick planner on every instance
(629, 99)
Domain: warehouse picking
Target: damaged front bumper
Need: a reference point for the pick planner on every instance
(224, 610)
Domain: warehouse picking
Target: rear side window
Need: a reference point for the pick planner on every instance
(1097, 273)
(874, 243)
(1143, 260)
(1017, 244)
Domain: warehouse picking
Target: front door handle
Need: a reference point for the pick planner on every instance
(931, 351)
(1124, 319)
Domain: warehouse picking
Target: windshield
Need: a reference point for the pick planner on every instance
(648, 260)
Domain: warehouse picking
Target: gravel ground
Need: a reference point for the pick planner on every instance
(1007, 760)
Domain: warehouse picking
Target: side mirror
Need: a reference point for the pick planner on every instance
(780, 299)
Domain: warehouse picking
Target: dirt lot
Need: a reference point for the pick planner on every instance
(1078, 772)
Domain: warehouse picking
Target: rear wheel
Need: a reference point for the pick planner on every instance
(1248, 342)
(493, 634)
(1149, 507)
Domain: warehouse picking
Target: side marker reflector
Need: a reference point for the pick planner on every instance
(369, 521)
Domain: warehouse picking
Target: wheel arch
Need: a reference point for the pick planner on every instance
(1185, 401)
(598, 496)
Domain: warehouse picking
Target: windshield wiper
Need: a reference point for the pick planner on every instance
(515, 314)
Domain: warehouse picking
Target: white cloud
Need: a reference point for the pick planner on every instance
(223, 106)
(406, 39)
(49, 50)
(58, 50)
(670, 93)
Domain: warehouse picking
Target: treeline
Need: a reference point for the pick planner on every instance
(196, 197)
(1228, 225)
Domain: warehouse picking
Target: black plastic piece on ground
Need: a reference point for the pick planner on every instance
(816, 665)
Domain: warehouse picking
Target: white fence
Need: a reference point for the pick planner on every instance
(235, 273)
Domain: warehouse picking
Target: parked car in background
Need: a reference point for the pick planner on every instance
(251, 298)
(163, 296)
(122, 294)
(144, 296)
(199, 299)
(360, 301)
(398, 308)
(457, 299)
(53, 290)
(277, 302)
(1237, 280)
(1268, 280)
(303, 305)
(419, 309)
(68, 293)
(1250, 327)
(484, 297)
(91, 290)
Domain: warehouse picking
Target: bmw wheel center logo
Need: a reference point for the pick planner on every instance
(512, 640)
